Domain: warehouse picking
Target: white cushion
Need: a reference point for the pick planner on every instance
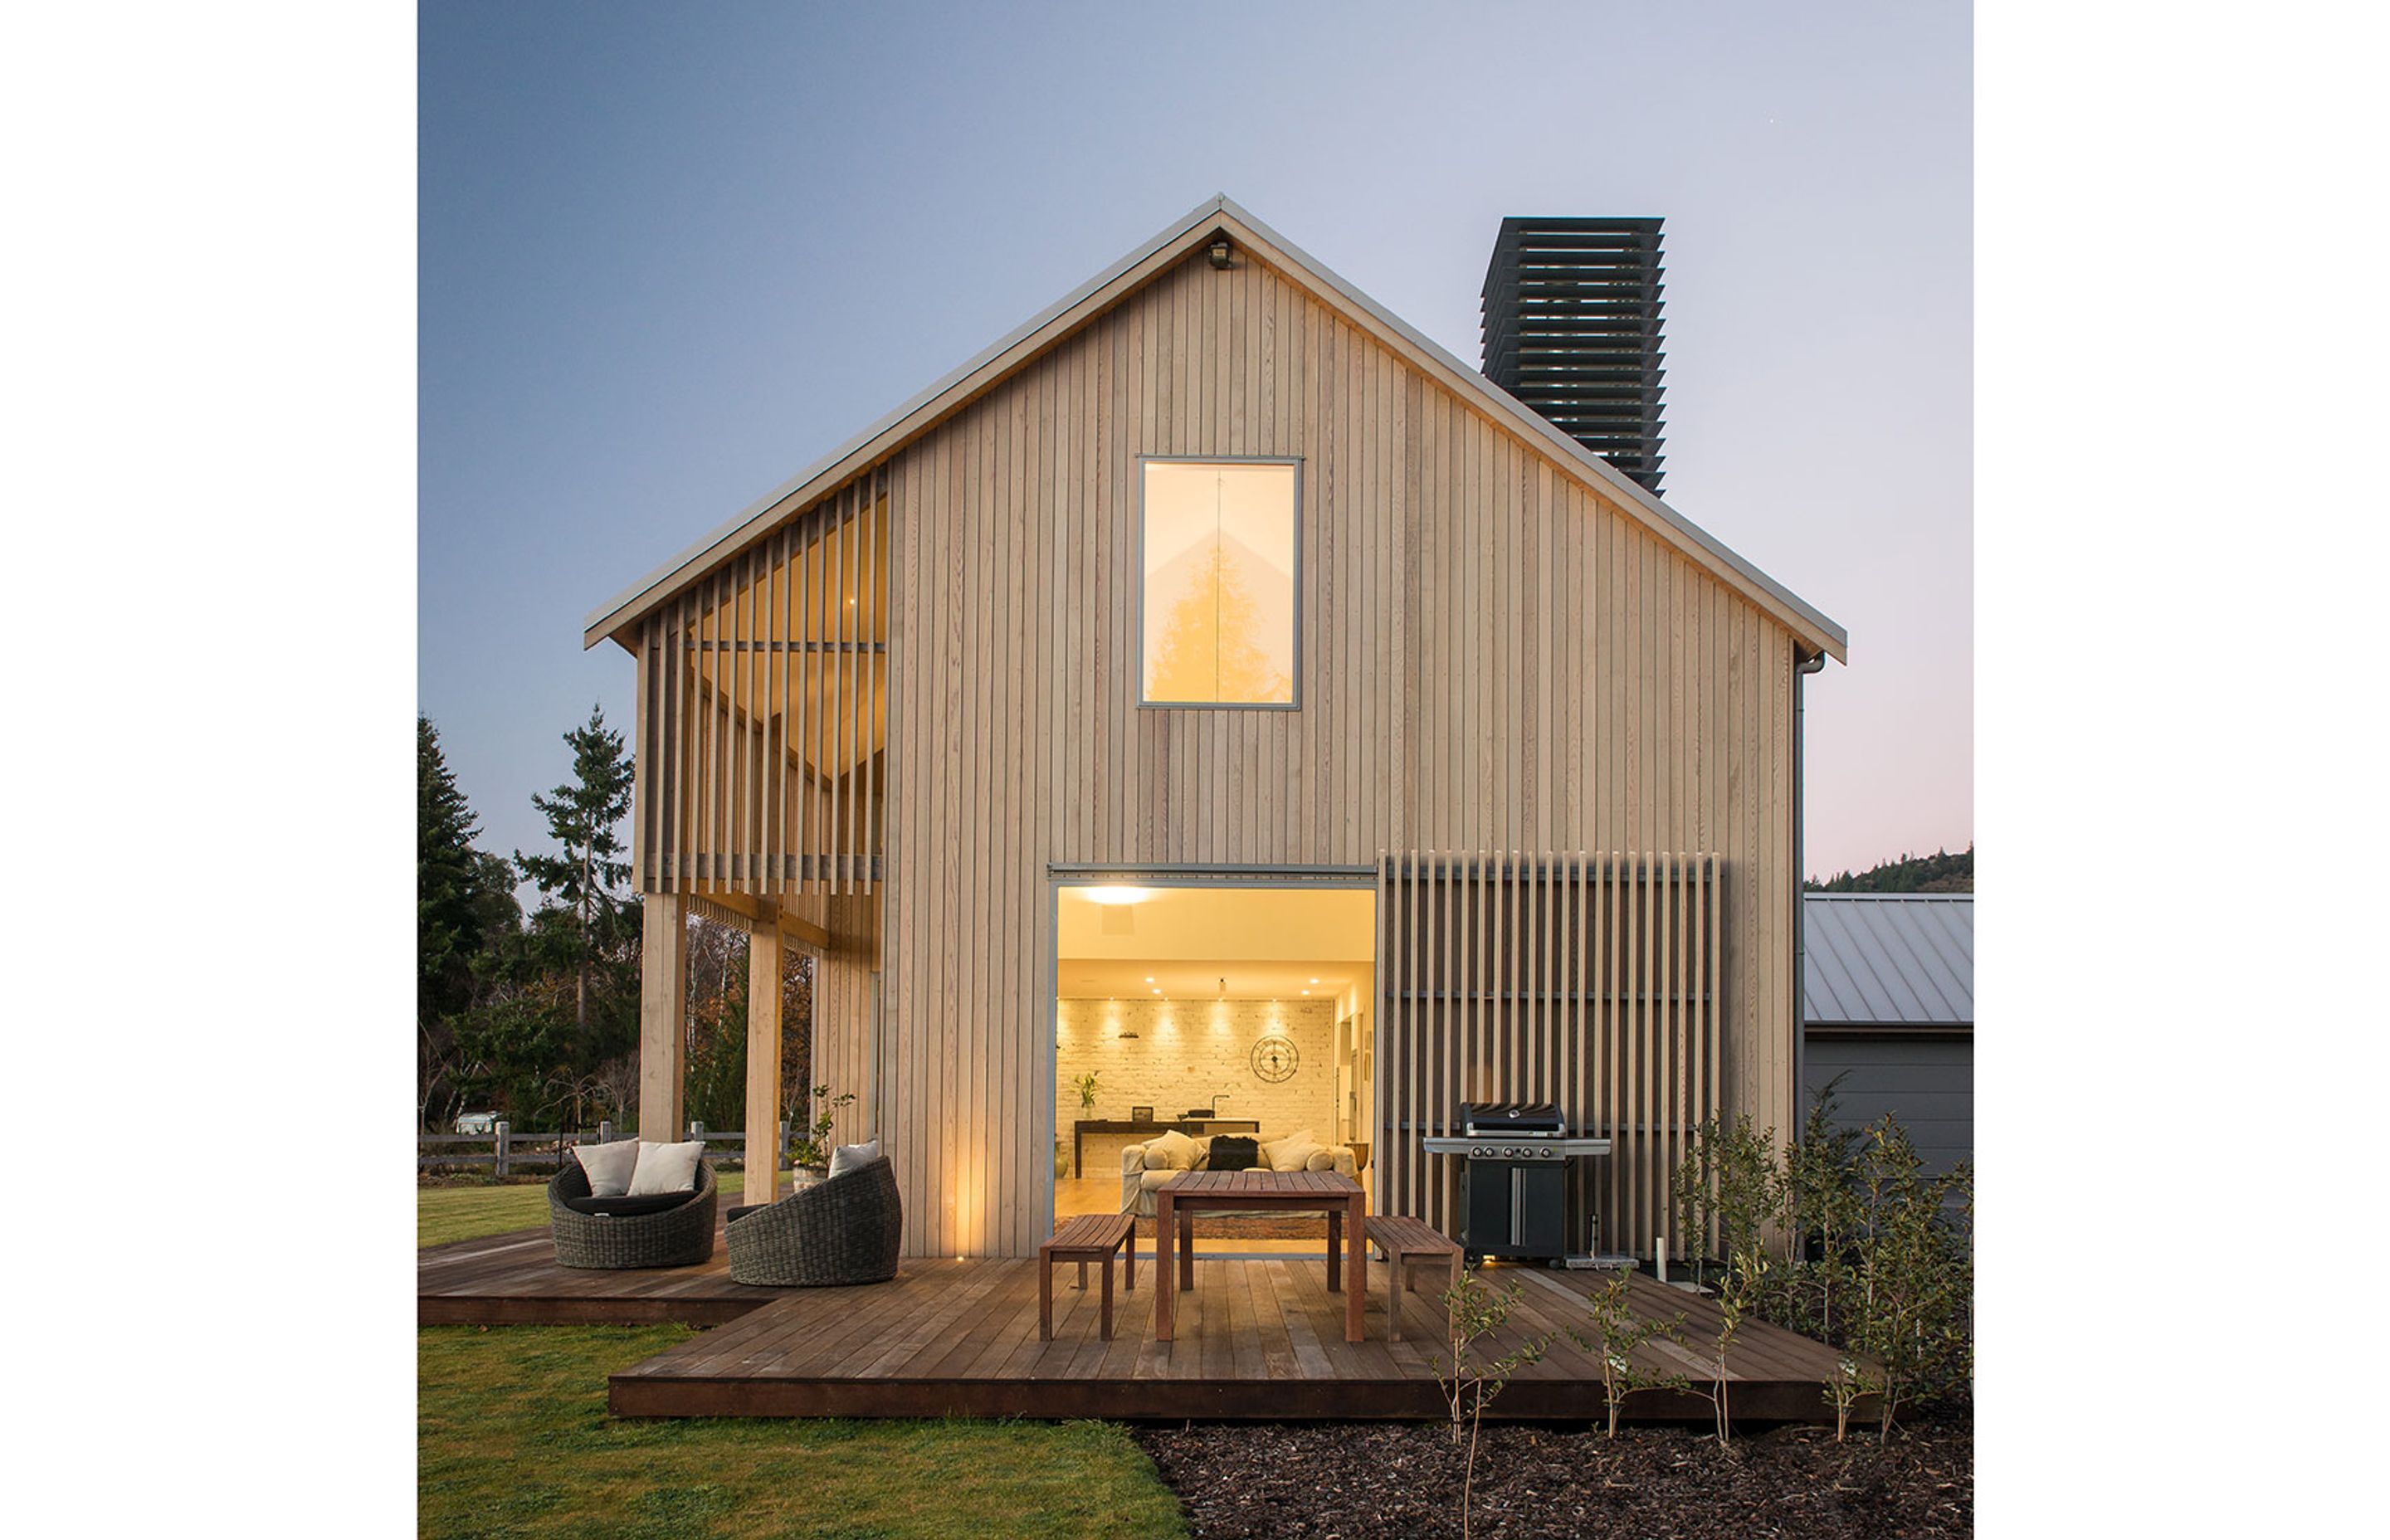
(1170, 1151)
(666, 1167)
(1277, 1150)
(1321, 1159)
(846, 1157)
(608, 1166)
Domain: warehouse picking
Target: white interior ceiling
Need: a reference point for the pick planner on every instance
(1181, 943)
(1172, 979)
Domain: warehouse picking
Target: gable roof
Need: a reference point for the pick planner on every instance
(1813, 629)
(1889, 961)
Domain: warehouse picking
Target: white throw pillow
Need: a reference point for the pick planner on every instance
(1170, 1151)
(1321, 1159)
(608, 1166)
(1296, 1159)
(1277, 1150)
(846, 1157)
(666, 1168)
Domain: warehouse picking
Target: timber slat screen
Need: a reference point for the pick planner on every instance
(763, 695)
(1588, 981)
(1570, 317)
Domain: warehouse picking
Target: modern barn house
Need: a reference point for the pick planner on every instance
(1217, 689)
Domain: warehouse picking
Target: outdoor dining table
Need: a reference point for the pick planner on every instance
(1328, 1192)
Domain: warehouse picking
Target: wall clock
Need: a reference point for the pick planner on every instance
(1275, 1059)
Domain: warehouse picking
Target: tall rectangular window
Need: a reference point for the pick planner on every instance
(1219, 582)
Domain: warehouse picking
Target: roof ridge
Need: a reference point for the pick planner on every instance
(933, 405)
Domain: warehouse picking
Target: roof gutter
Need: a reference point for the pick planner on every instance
(1801, 669)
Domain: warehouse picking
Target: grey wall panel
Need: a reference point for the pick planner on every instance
(1928, 1085)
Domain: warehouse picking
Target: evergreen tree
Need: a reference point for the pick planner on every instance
(448, 919)
(464, 906)
(578, 887)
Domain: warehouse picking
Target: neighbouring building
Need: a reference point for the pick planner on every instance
(1889, 1013)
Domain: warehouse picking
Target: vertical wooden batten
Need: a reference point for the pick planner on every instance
(663, 993)
(1540, 1009)
(764, 985)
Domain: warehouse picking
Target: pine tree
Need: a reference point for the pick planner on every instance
(448, 916)
(464, 908)
(580, 884)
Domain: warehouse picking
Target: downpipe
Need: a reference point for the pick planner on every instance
(1801, 669)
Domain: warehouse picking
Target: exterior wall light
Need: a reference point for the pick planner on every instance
(1220, 251)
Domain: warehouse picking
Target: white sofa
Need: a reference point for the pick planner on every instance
(1137, 1181)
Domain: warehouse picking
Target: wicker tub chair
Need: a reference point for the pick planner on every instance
(679, 1236)
(844, 1230)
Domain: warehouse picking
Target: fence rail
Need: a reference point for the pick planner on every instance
(507, 1151)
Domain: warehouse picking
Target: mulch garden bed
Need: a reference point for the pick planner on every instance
(1652, 1483)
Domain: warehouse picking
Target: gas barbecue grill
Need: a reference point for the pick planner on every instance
(1514, 1177)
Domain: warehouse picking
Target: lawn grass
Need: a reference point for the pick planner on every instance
(513, 1438)
(463, 1213)
(471, 1210)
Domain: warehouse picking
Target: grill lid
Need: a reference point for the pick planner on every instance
(1511, 1117)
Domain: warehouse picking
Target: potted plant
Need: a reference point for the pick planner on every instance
(809, 1153)
(1087, 1085)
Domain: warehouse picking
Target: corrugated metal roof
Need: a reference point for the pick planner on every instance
(1890, 959)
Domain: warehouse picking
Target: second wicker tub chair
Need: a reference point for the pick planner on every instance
(842, 1231)
(679, 1236)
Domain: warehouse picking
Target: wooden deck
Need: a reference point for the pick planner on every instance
(1257, 1338)
(512, 1279)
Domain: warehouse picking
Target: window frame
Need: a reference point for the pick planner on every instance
(1138, 630)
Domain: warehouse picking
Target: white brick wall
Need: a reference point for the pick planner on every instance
(1184, 1054)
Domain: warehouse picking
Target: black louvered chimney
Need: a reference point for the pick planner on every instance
(1572, 327)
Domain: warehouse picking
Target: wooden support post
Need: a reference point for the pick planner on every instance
(504, 1128)
(663, 994)
(762, 1161)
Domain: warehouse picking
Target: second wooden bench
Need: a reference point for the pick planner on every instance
(1407, 1242)
(1084, 1238)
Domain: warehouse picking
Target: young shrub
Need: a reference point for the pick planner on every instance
(1621, 1330)
(1731, 1184)
(1823, 1214)
(1844, 1391)
(1745, 1283)
(1915, 1274)
(1474, 1310)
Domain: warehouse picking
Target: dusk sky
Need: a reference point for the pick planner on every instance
(673, 255)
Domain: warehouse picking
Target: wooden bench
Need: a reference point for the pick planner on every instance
(1409, 1242)
(1084, 1238)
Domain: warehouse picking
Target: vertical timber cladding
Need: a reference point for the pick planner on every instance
(1494, 657)
(1588, 981)
(763, 714)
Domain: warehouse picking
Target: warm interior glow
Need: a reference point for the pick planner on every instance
(1219, 582)
(1115, 895)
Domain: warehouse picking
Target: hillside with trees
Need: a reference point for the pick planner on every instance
(1941, 872)
(537, 1017)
